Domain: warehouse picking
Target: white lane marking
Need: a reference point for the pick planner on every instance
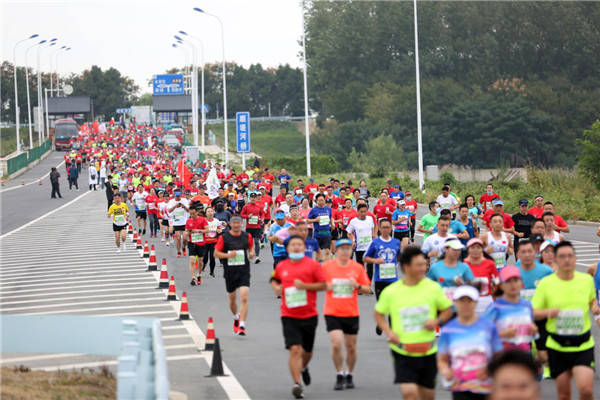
(62, 271)
(60, 276)
(82, 310)
(140, 313)
(77, 277)
(47, 299)
(62, 292)
(36, 358)
(181, 346)
(72, 284)
(44, 216)
(130, 282)
(110, 362)
(80, 303)
(177, 336)
(66, 258)
(168, 328)
(31, 183)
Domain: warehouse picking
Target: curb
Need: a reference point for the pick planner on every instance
(28, 167)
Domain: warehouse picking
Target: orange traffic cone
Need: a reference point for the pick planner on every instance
(22, 181)
(40, 181)
(130, 230)
(138, 244)
(209, 344)
(135, 237)
(2, 182)
(146, 254)
(172, 295)
(163, 281)
(184, 312)
(152, 261)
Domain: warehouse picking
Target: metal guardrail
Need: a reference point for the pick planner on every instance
(142, 363)
(24, 159)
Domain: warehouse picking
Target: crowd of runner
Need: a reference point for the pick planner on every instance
(491, 302)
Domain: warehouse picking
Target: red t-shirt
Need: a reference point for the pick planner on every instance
(486, 270)
(412, 206)
(508, 221)
(560, 222)
(486, 200)
(346, 215)
(337, 202)
(379, 211)
(253, 214)
(151, 204)
(265, 203)
(338, 302)
(279, 200)
(270, 177)
(536, 212)
(197, 223)
(297, 303)
(311, 189)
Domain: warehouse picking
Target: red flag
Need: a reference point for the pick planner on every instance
(184, 173)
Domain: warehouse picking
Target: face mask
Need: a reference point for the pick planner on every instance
(220, 207)
(490, 192)
(296, 256)
(437, 210)
(408, 198)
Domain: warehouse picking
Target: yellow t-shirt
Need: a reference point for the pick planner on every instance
(119, 213)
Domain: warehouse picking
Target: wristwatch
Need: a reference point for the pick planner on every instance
(358, 287)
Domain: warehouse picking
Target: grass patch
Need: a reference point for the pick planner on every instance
(8, 139)
(20, 383)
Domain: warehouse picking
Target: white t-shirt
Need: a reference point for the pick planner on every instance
(363, 232)
(139, 199)
(446, 202)
(435, 242)
(180, 216)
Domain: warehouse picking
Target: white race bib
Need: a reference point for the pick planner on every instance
(253, 220)
(239, 258)
(413, 318)
(387, 271)
(119, 219)
(527, 294)
(569, 322)
(295, 297)
(341, 288)
(197, 237)
(324, 220)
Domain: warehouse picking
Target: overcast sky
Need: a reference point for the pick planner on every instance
(135, 36)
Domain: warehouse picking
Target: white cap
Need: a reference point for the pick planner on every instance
(466, 291)
(454, 243)
(546, 244)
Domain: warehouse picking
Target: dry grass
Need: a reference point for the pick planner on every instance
(20, 383)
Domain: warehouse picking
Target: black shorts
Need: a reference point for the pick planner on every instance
(400, 235)
(379, 286)
(165, 222)
(298, 331)
(540, 343)
(195, 249)
(178, 228)
(236, 277)
(140, 214)
(255, 232)
(420, 370)
(335, 234)
(324, 242)
(117, 228)
(561, 361)
(348, 325)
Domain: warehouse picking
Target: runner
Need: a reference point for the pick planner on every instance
(152, 211)
(411, 206)
(496, 242)
(559, 223)
(236, 248)
(450, 272)
(434, 246)
(197, 228)
(486, 199)
(120, 213)
(550, 232)
(321, 218)
(345, 278)
(384, 208)
(447, 201)
(470, 226)
(215, 228)
(565, 298)
(253, 214)
(498, 208)
(413, 304)
(401, 218)
(429, 221)
(514, 376)
(485, 272)
(523, 223)
(297, 281)
(384, 253)
(361, 231)
(343, 218)
(179, 209)
(279, 253)
(538, 208)
(475, 211)
(466, 345)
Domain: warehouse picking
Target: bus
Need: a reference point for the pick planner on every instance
(65, 132)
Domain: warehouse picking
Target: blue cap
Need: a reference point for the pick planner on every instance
(342, 242)
(177, 193)
(498, 202)
(279, 215)
(312, 179)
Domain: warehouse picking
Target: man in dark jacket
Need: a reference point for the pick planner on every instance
(54, 175)
(110, 190)
(73, 175)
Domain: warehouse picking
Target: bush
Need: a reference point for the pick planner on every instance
(320, 164)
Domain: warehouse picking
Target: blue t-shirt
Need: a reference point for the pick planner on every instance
(531, 279)
(283, 180)
(298, 198)
(470, 230)
(397, 195)
(506, 314)
(322, 228)
(278, 249)
(597, 280)
(470, 348)
(312, 246)
(388, 251)
(456, 227)
(403, 226)
(447, 274)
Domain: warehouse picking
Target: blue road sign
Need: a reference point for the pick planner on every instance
(167, 84)
(123, 110)
(242, 124)
(206, 109)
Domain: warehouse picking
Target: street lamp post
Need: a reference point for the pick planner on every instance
(29, 121)
(194, 96)
(224, 83)
(185, 67)
(52, 70)
(418, 82)
(16, 89)
(52, 42)
(56, 71)
(306, 130)
(201, 89)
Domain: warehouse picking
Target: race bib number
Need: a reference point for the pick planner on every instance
(212, 230)
(527, 294)
(569, 322)
(179, 213)
(341, 288)
(499, 260)
(151, 206)
(324, 220)
(364, 239)
(265, 207)
(197, 237)
(387, 271)
(522, 324)
(119, 219)
(313, 190)
(253, 220)
(295, 297)
(413, 318)
(445, 205)
(345, 220)
(239, 258)
(488, 205)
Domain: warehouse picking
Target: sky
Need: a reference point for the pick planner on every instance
(135, 36)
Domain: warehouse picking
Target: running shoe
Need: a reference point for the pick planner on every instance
(118, 249)
(193, 282)
(242, 331)
(178, 255)
(378, 331)
(349, 382)
(199, 280)
(339, 382)
(257, 260)
(297, 391)
(236, 325)
(162, 239)
(185, 253)
(306, 376)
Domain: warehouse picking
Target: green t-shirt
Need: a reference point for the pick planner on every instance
(167, 179)
(573, 298)
(409, 307)
(428, 222)
(135, 181)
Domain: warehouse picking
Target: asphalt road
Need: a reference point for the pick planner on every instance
(259, 360)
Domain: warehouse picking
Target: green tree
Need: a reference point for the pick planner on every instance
(589, 158)
(383, 156)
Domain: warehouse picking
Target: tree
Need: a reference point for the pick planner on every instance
(383, 156)
(589, 158)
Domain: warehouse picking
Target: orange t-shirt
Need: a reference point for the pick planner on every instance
(342, 301)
